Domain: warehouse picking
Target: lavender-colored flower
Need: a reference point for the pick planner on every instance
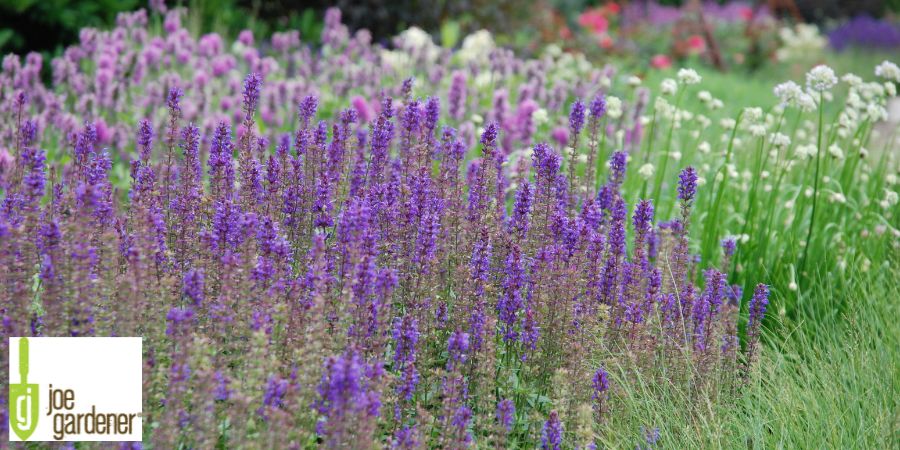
(489, 136)
(458, 348)
(576, 118)
(145, 139)
(457, 95)
(345, 394)
(307, 109)
(506, 414)
(222, 392)
(552, 433)
(173, 99)
(252, 86)
(600, 383)
(193, 285)
(512, 301)
(520, 219)
(180, 321)
(617, 164)
(597, 107)
(757, 308)
(687, 185)
(728, 246)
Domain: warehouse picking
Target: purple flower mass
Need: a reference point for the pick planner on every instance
(324, 243)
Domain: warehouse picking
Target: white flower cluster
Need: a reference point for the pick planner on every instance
(688, 77)
(668, 86)
(477, 47)
(821, 78)
(792, 95)
(889, 71)
(613, 107)
(799, 43)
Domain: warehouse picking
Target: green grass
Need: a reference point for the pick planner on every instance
(823, 384)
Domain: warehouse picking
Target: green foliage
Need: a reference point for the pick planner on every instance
(49, 24)
(826, 383)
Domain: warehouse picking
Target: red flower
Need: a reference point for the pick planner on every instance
(606, 42)
(660, 62)
(594, 20)
(696, 43)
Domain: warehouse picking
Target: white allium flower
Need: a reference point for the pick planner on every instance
(675, 155)
(821, 78)
(476, 47)
(753, 114)
(668, 86)
(553, 50)
(539, 116)
(716, 104)
(780, 140)
(662, 106)
(837, 197)
(646, 171)
(688, 76)
(890, 88)
(791, 94)
(835, 152)
(727, 123)
(808, 103)
(484, 78)
(633, 81)
(701, 181)
(757, 130)
(863, 152)
(704, 96)
(891, 197)
(876, 112)
(704, 147)
(891, 179)
(799, 42)
(888, 70)
(851, 79)
(613, 107)
(476, 118)
(807, 151)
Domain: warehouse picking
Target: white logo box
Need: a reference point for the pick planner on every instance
(103, 373)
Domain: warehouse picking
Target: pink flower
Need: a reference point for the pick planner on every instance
(246, 37)
(560, 135)
(696, 43)
(606, 42)
(661, 62)
(362, 108)
(594, 20)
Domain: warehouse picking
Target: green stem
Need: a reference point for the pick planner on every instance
(812, 218)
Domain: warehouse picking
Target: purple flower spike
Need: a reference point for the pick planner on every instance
(687, 185)
(506, 414)
(576, 118)
(193, 285)
(173, 100)
(489, 136)
(598, 107)
(758, 304)
(252, 86)
(552, 433)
